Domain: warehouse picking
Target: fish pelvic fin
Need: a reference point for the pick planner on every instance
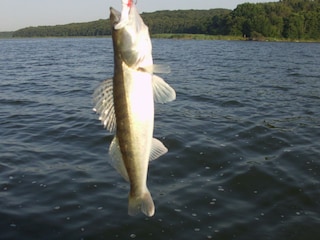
(162, 91)
(142, 204)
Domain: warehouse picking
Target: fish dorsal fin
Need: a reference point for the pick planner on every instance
(162, 91)
(116, 158)
(157, 149)
(103, 104)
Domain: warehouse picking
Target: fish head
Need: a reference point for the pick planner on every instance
(131, 39)
(115, 17)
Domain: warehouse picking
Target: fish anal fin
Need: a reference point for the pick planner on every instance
(157, 149)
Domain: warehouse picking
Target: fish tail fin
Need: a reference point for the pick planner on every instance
(142, 203)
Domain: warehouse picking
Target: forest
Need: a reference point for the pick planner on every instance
(286, 19)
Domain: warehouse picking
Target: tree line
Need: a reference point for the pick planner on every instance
(179, 21)
(95, 28)
(289, 19)
(5, 34)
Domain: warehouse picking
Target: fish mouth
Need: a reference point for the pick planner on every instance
(115, 16)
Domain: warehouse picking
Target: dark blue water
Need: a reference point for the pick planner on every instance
(243, 139)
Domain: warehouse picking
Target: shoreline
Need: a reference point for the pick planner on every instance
(183, 36)
(186, 36)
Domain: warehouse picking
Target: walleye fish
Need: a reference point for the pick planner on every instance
(126, 104)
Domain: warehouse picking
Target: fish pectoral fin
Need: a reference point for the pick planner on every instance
(142, 203)
(156, 68)
(157, 149)
(162, 91)
(161, 68)
(103, 104)
(116, 158)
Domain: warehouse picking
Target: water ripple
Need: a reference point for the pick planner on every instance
(243, 160)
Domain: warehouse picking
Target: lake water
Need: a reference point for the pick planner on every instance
(243, 140)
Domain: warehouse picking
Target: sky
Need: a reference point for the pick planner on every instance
(17, 14)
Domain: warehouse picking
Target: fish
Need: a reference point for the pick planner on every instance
(125, 104)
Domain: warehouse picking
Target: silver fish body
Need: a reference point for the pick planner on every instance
(126, 107)
(134, 111)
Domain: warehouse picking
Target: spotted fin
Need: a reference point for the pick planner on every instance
(104, 106)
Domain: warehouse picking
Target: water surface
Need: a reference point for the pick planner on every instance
(243, 139)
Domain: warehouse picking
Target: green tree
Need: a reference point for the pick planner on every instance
(294, 27)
